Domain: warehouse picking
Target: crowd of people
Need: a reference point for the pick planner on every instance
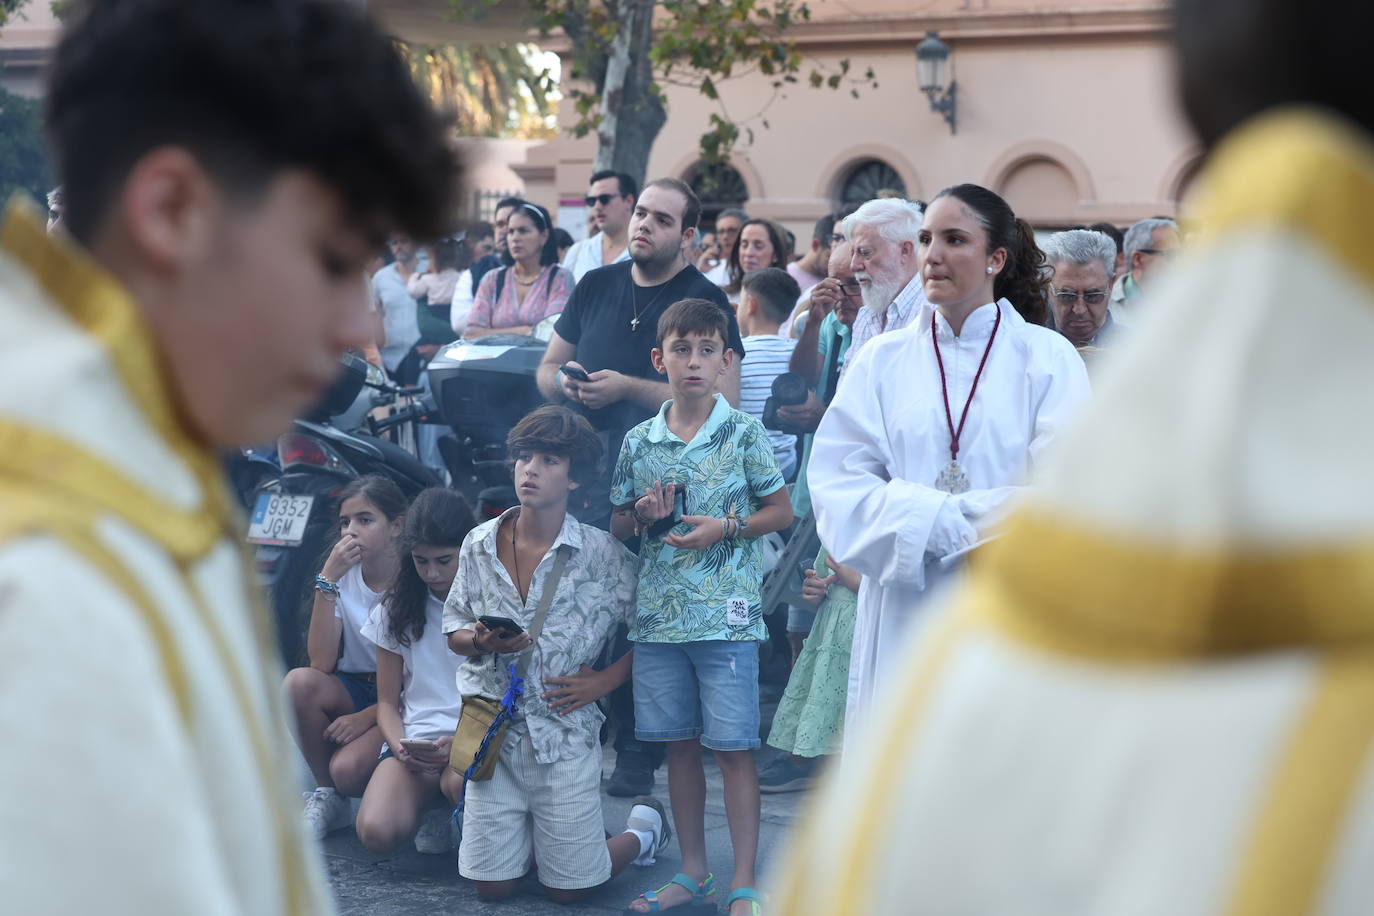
(1150, 693)
(880, 398)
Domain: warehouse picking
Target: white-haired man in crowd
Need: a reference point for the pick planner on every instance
(1081, 286)
(1148, 243)
(885, 258)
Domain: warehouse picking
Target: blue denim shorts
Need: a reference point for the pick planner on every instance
(362, 688)
(698, 689)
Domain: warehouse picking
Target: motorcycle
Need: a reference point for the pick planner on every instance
(481, 389)
(292, 513)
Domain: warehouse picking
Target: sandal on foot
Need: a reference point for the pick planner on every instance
(700, 892)
(746, 893)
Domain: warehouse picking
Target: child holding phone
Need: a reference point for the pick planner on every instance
(700, 614)
(334, 699)
(543, 804)
(417, 702)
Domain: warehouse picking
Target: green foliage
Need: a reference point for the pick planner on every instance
(697, 43)
(23, 152)
(492, 90)
(7, 7)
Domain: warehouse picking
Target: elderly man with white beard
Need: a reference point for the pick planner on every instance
(885, 258)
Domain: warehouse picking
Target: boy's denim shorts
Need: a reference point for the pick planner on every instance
(704, 689)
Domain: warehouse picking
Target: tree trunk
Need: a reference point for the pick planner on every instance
(631, 114)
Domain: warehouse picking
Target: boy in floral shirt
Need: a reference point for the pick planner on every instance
(699, 483)
(544, 802)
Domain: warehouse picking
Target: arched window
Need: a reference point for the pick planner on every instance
(866, 179)
(717, 187)
(1042, 191)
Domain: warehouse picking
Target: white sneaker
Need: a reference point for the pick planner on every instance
(648, 816)
(325, 811)
(433, 838)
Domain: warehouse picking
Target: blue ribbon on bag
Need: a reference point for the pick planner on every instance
(509, 705)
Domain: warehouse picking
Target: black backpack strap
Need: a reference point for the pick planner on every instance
(500, 284)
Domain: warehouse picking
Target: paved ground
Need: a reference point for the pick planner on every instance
(405, 882)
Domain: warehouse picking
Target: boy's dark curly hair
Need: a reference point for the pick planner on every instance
(250, 88)
(558, 431)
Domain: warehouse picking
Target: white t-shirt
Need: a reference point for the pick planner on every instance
(461, 306)
(355, 603)
(429, 688)
(765, 358)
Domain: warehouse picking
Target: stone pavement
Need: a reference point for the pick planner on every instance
(405, 882)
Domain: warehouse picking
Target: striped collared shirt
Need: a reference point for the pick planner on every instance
(899, 314)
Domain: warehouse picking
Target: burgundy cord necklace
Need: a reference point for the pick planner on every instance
(953, 479)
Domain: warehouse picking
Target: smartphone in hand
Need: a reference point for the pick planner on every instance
(575, 373)
(664, 525)
(504, 625)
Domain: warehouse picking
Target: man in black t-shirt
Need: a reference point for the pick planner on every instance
(608, 329)
(610, 323)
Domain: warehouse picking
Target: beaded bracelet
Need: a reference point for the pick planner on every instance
(329, 589)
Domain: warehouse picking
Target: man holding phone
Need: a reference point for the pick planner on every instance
(608, 332)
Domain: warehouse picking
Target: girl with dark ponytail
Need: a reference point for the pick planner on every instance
(938, 424)
(1022, 280)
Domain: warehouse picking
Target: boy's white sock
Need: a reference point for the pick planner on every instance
(646, 847)
(646, 824)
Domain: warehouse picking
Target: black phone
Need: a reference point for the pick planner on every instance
(504, 625)
(575, 373)
(661, 527)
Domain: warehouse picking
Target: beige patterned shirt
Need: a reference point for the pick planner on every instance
(595, 594)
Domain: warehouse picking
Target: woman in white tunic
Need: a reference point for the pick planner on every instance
(935, 426)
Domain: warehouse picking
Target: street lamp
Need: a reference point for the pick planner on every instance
(932, 63)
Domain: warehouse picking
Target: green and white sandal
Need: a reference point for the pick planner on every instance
(746, 893)
(700, 892)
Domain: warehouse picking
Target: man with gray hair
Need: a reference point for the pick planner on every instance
(885, 258)
(1082, 261)
(1148, 243)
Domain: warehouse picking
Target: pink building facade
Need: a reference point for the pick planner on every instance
(1065, 108)
(1067, 111)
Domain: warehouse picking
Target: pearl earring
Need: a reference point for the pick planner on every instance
(989, 269)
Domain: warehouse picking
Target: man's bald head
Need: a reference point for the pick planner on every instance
(840, 269)
(839, 262)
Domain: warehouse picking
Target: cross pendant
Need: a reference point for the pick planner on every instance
(634, 324)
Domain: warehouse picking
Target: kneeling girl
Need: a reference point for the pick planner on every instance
(417, 702)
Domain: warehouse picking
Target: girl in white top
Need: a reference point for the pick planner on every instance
(334, 698)
(417, 692)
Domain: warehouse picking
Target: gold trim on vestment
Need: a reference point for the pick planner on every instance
(1296, 168)
(1106, 596)
(98, 304)
(871, 834)
(78, 487)
(1292, 845)
(34, 511)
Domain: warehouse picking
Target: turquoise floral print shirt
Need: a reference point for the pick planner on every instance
(698, 595)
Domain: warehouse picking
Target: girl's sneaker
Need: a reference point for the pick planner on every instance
(325, 811)
(434, 837)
